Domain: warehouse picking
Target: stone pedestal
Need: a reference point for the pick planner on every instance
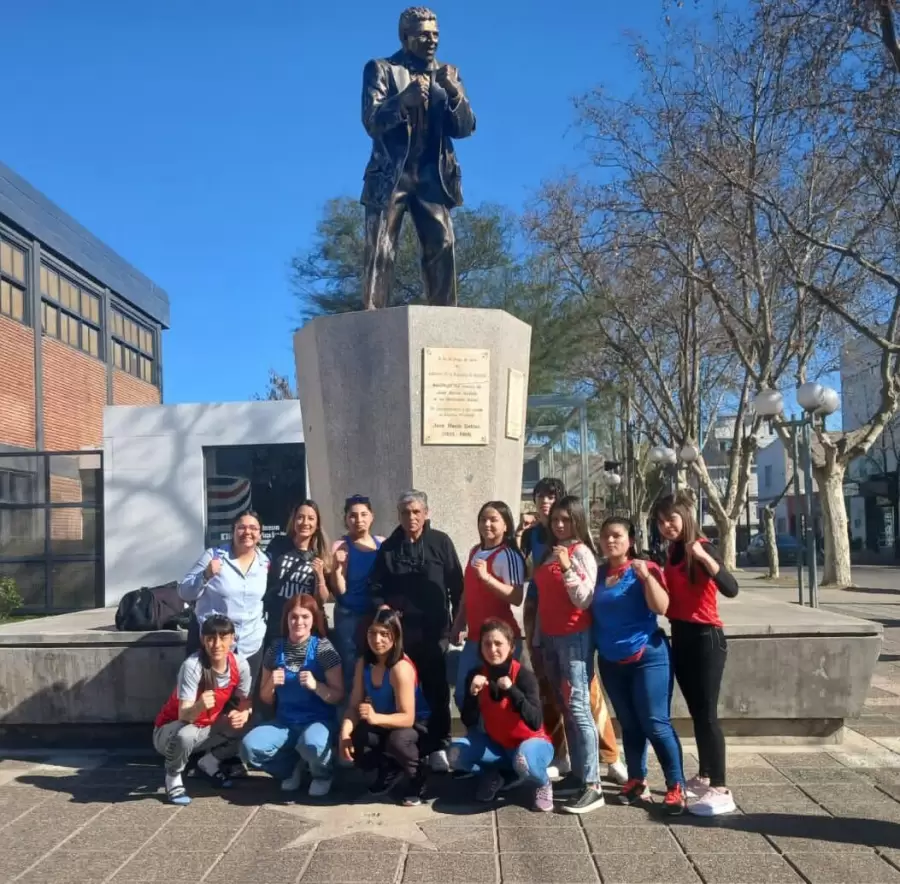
(365, 381)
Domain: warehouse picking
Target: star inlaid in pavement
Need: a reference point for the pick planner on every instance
(363, 817)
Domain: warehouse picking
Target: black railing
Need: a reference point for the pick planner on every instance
(51, 528)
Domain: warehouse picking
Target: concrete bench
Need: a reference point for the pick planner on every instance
(72, 680)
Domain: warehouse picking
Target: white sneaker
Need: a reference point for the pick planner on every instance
(319, 787)
(292, 783)
(439, 762)
(558, 768)
(617, 772)
(696, 787)
(712, 802)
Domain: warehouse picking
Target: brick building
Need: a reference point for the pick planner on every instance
(80, 329)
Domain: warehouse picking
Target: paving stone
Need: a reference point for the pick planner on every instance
(460, 839)
(716, 839)
(830, 775)
(536, 868)
(643, 868)
(841, 868)
(620, 815)
(509, 815)
(775, 799)
(65, 866)
(744, 760)
(17, 764)
(15, 859)
(796, 760)
(756, 776)
(271, 830)
(166, 866)
(360, 842)
(746, 868)
(265, 867)
(333, 868)
(533, 840)
(458, 868)
(622, 839)
(187, 836)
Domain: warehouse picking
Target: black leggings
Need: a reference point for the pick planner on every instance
(375, 747)
(698, 660)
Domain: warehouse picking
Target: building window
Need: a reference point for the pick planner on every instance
(133, 346)
(70, 313)
(12, 281)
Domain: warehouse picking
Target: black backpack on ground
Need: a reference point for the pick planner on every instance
(152, 608)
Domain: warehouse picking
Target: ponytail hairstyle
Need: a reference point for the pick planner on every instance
(628, 525)
(215, 624)
(509, 524)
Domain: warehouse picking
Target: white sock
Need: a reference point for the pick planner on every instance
(173, 780)
(209, 764)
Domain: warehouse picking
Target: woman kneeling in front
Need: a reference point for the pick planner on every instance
(386, 714)
(302, 675)
(512, 748)
(193, 718)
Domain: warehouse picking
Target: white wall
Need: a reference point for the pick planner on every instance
(154, 489)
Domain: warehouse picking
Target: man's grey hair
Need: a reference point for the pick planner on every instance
(412, 496)
(413, 16)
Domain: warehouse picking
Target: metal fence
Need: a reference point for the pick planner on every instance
(51, 528)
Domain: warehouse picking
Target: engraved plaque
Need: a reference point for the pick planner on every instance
(515, 404)
(456, 396)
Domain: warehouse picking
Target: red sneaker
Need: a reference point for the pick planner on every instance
(634, 791)
(675, 801)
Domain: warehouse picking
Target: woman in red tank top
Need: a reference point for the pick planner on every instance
(493, 583)
(695, 575)
(511, 747)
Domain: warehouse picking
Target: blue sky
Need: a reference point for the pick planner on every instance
(200, 139)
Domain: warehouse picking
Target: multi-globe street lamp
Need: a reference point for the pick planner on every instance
(816, 400)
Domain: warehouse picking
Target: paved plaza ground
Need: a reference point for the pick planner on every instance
(814, 814)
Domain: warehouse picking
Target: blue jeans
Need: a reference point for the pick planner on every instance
(641, 694)
(344, 635)
(469, 659)
(569, 666)
(529, 760)
(274, 748)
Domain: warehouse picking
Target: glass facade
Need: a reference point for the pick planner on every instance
(133, 346)
(269, 479)
(12, 280)
(51, 528)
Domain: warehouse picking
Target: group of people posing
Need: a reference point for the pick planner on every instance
(267, 684)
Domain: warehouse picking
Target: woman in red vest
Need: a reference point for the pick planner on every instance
(511, 746)
(695, 575)
(494, 582)
(193, 718)
(565, 580)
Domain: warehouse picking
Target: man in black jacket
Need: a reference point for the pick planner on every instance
(417, 572)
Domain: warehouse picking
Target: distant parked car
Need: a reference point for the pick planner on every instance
(789, 550)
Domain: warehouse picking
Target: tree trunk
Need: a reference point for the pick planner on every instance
(834, 516)
(643, 525)
(771, 546)
(727, 541)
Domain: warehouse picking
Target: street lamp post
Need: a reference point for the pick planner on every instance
(665, 458)
(612, 480)
(815, 399)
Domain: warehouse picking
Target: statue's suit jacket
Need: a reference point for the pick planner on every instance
(383, 81)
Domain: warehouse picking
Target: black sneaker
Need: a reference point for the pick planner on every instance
(234, 769)
(385, 781)
(590, 798)
(411, 792)
(570, 784)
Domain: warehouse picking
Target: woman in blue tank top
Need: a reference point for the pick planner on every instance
(386, 714)
(302, 676)
(354, 557)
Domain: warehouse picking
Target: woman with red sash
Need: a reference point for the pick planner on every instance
(695, 575)
(494, 582)
(193, 718)
(565, 581)
(511, 746)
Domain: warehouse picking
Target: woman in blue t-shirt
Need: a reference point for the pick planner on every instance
(633, 661)
(354, 555)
